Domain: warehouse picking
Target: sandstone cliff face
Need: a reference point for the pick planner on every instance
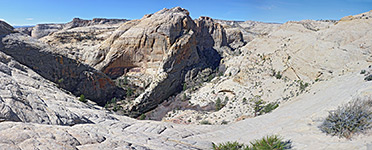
(27, 97)
(37, 114)
(80, 38)
(68, 73)
(160, 48)
(300, 52)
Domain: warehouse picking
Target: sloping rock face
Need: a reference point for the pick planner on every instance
(36, 114)
(160, 48)
(27, 97)
(5, 28)
(68, 73)
(283, 65)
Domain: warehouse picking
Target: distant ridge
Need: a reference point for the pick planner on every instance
(29, 26)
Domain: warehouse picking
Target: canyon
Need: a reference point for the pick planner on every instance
(167, 81)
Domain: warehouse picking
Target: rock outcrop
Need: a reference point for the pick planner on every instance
(160, 48)
(241, 32)
(80, 38)
(281, 66)
(42, 30)
(67, 73)
(25, 30)
(5, 28)
(38, 114)
(27, 97)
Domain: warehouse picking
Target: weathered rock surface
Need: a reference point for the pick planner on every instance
(36, 114)
(160, 48)
(281, 66)
(239, 32)
(5, 28)
(68, 73)
(27, 97)
(24, 30)
(42, 30)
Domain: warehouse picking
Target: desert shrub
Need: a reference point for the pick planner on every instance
(362, 71)
(82, 98)
(129, 92)
(303, 86)
(273, 142)
(116, 107)
(368, 78)
(278, 75)
(113, 100)
(210, 77)
(351, 118)
(224, 122)
(205, 122)
(260, 107)
(270, 107)
(244, 100)
(142, 117)
(184, 96)
(60, 80)
(184, 88)
(218, 104)
(229, 146)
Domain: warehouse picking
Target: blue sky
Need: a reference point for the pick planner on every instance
(30, 12)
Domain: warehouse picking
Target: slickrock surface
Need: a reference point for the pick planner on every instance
(67, 73)
(160, 50)
(301, 52)
(308, 67)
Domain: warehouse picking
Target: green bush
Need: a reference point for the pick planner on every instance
(273, 142)
(218, 104)
(362, 71)
(82, 98)
(205, 122)
(60, 80)
(184, 88)
(303, 86)
(260, 107)
(228, 146)
(142, 117)
(278, 75)
(269, 107)
(368, 78)
(129, 92)
(354, 117)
